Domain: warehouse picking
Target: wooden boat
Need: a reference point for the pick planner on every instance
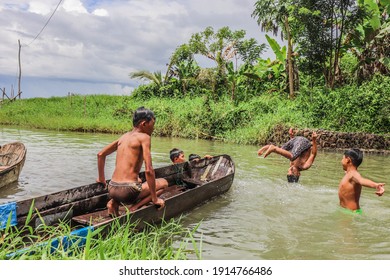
(12, 158)
(190, 184)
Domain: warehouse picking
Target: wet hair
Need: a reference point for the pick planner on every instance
(355, 155)
(174, 153)
(142, 114)
(292, 178)
(193, 156)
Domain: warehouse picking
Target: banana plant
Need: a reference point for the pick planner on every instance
(273, 70)
(370, 41)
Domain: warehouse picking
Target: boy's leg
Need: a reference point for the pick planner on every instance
(291, 132)
(279, 151)
(113, 207)
(145, 196)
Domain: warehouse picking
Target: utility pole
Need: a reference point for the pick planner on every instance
(20, 71)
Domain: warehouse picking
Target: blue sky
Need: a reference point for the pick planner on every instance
(91, 46)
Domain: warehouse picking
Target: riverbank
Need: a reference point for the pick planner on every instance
(258, 121)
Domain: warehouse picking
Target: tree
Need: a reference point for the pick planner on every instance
(272, 15)
(370, 41)
(221, 47)
(155, 77)
(183, 66)
(319, 29)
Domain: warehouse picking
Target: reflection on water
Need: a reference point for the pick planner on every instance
(261, 217)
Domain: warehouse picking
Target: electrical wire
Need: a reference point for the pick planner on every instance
(47, 22)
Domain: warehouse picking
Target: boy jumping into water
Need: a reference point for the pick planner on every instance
(298, 150)
(350, 186)
(132, 149)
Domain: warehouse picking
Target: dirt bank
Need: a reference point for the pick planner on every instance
(331, 140)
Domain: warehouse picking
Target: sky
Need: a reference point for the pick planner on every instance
(91, 46)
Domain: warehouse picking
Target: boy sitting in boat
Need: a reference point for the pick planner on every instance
(177, 156)
(350, 186)
(132, 149)
(298, 150)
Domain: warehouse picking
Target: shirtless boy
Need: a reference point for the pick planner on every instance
(298, 150)
(177, 156)
(350, 186)
(132, 149)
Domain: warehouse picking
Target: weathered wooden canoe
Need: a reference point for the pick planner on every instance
(190, 184)
(12, 157)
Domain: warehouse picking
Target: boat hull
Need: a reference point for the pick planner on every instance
(12, 156)
(86, 205)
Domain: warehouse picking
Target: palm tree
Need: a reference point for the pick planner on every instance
(155, 77)
(272, 14)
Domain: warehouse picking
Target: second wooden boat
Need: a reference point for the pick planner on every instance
(12, 158)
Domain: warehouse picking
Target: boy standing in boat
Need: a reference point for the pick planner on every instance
(132, 149)
(298, 150)
(350, 186)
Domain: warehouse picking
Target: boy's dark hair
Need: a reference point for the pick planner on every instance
(292, 178)
(142, 114)
(193, 156)
(355, 155)
(174, 153)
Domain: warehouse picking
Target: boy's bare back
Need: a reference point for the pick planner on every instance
(129, 157)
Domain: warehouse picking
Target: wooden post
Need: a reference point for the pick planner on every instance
(20, 71)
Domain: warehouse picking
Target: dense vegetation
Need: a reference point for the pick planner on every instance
(353, 108)
(333, 74)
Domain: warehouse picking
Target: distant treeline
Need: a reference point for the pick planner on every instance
(353, 108)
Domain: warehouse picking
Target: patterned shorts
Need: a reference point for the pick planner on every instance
(297, 146)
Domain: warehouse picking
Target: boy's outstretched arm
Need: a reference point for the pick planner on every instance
(313, 152)
(380, 189)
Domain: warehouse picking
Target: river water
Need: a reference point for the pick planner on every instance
(260, 217)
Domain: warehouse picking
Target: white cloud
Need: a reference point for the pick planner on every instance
(74, 6)
(103, 41)
(100, 12)
(39, 7)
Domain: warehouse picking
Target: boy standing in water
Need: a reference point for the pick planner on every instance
(350, 186)
(132, 149)
(298, 150)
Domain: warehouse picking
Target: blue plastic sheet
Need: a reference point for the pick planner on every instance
(77, 238)
(5, 211)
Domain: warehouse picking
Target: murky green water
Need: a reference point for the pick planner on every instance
(261, 217)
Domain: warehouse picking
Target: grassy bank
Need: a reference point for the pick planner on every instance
(186, 117)
(349, 109)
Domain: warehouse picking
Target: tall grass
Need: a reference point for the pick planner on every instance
(168, 241)
(190, 117)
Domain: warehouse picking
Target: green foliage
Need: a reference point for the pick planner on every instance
(168, 241)
(351, 108)
(256, 109)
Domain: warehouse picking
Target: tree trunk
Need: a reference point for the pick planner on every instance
(289, 60)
